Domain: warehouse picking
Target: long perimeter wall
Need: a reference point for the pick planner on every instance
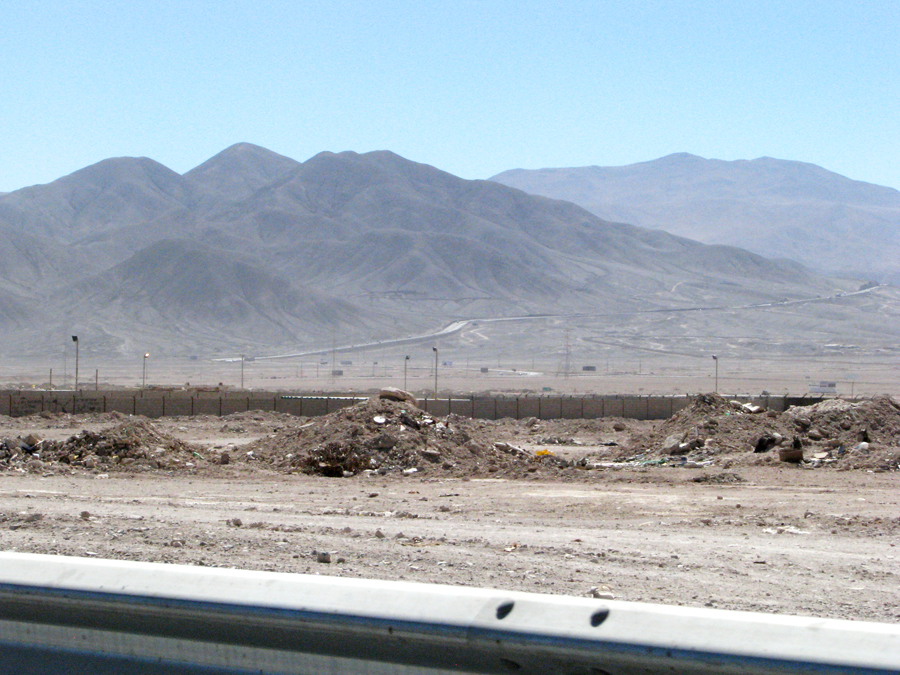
(175, 403)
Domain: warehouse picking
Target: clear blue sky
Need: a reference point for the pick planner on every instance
(473, 88)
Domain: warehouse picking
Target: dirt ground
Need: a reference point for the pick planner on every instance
(699, 510)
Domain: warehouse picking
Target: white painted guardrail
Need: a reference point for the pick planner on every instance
(81, 616)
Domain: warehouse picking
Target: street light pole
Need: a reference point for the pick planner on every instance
(75, 340)
(242, 371)
(405, 363)
(435, 349)
(144, 373)
(716, 359)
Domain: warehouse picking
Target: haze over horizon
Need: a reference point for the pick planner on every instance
(473, 89)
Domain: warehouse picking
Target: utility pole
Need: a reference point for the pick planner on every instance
(716, 359)
(75, 340)
(435, 371)
(242, 371)
(333, 356)
(144, 371)
(405, 363)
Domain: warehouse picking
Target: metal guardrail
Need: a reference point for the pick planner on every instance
(88, 616)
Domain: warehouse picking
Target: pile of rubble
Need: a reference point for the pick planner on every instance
(133, 445)
(861, 435)
(21, 453)
(845, 435)
(390, 434)
(383, 436)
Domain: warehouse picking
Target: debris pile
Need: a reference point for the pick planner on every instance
(849, 435)
(134, 445)
(845, 435)
(384, 435)
(708, 427)
(21, 453)
(390, 434)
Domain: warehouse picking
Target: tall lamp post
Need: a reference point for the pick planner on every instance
(75, 340)
(405, 363)
(242, 371)
(435, 370)
(716, 359)
(144, 373)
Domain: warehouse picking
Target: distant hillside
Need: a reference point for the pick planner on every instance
(774, 207)
(255, 251)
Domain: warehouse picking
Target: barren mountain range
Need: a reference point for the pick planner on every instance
(255, 251)
(773, 207)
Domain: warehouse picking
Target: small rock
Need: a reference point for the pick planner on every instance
(765, 443)
(323, 557)
(85, 515)
(619, 426)
(379, 534)
(672, 444)
(601, 593)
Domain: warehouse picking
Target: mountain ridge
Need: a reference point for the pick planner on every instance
(251, 247)
(777, 208)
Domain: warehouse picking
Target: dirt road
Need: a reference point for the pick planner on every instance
(820, 543)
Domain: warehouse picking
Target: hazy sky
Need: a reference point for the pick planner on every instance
(473, 88)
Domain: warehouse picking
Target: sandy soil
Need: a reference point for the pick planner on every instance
(731, 532)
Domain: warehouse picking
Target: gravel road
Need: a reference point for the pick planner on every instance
(784, 539)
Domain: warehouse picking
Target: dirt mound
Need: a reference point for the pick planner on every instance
(834, 433)
(711, 426)
(386, 436)
(134, 445)
(850, 435)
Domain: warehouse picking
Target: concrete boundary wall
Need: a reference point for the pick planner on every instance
(167, 404)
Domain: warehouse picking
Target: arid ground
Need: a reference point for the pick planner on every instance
(605, 507)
